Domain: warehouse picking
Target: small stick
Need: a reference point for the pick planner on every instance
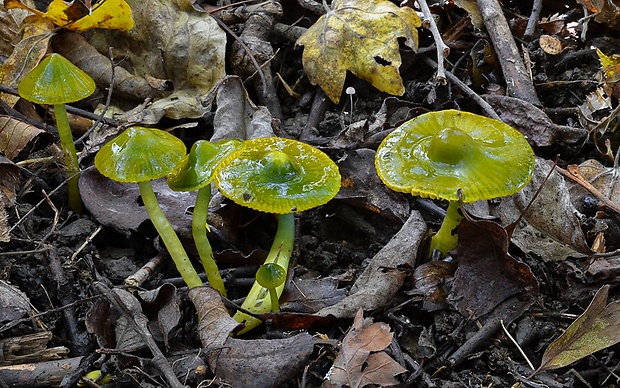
(88, 240)
(442, 49)
(501, 321)
(461, 85)
(141, 275)
(518, 84)
(533, 20)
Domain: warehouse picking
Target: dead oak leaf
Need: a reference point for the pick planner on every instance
(361, 360)
(360, 36)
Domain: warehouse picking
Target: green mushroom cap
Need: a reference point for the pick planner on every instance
(278, 175)
(55, 80)
(196, 169)
(140, 154)
(439, 153)
(270, 275)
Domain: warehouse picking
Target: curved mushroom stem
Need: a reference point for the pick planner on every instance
(199, 231)
(258, 300)
(445, 240)
(168, 236)
(70, 156)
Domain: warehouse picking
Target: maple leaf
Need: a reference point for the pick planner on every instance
(360, 36)
(361, 360)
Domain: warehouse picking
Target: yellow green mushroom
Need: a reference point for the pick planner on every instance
(454, 155)
(195, 172)
(282, 176)
(140, 155)
(56, 81)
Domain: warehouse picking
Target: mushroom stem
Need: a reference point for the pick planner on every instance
(446, 239)
(70, 157)
(168, 236)
(199, 231)
(258, 300)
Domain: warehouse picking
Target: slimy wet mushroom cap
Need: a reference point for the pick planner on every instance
(437, 154)
(279, 175)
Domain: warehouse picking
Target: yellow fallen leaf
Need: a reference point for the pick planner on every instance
(109, 14)
(610, 65)
(360, 36)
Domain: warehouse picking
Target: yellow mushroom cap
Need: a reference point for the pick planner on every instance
(140, 154)
(196, 169)
(439, 153)
(55, 80)
(278, 175)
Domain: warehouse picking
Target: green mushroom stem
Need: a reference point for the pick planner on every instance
(258, 300)
(446, 237)
(168, 236)
(199, 232)
(70, 157)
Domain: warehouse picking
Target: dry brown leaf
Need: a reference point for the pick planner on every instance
(362, 187)
(26, 55)
(188, 48)
(487, 275)
(597, 328)
(15, 135)
(361, 360)
(246, 363)
(360, 36)
(9, 178)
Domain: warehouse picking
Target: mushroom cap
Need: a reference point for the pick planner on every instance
(54, 81)
(270, 275)
(278, 175)
(439, 153)
(140, 154)
(196, 168)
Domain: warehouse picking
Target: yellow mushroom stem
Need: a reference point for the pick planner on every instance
(446, 237)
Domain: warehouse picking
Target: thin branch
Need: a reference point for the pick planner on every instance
(442, 49)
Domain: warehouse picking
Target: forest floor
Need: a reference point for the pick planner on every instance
(485, 316)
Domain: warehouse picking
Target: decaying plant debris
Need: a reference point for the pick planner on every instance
(528, 298)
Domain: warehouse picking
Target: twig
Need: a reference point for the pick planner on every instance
(442, 49)
(517, 345)
(461, 85)
(518, 84)
(88, 240)
(533, 20)
(35, 207)
(141, 275)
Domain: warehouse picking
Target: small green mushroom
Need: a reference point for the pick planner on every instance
(195, 172)
(441, 154)
(271, 276)
(282, 176)
(140, 155)
(56, 81)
